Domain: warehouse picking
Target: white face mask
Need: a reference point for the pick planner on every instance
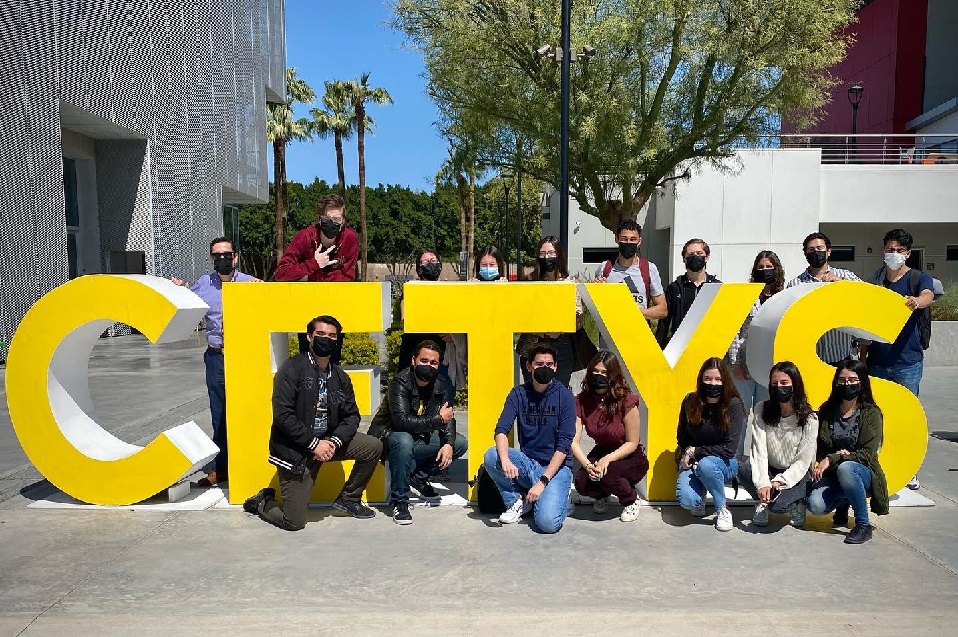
(894, 261)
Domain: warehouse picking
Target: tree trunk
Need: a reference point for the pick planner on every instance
(471, 248)
(463, 222)
(361, 147)
(279, 192)
(339, 164)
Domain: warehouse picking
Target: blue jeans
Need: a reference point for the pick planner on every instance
(216, 387)
(549, 510)
(908, 376)
(710, 474)
(847, 485)
(409, 456)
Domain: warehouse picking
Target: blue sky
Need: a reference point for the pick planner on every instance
(331, 40)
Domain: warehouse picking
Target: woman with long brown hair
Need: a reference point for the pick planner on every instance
(608, 410)
(710, 426)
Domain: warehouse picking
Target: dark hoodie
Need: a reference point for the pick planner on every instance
(546, 421)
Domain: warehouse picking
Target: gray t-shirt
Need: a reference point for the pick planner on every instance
(845, 430)
(321, 422)
(620, 273)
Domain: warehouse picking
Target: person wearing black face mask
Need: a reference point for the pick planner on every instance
(418, 430)
(315, 420)
(783, 433)
(209, 287)
(608, 411)
(850, 435)
(542, 465)
(834, 344)
(682, 292)
(639, 274)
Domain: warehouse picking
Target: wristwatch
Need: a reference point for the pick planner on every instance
(544, 479)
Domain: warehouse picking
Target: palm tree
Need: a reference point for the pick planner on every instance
(281, 127)
(360, 93)
(336, 118)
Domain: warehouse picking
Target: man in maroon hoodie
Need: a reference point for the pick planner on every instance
(324, 251)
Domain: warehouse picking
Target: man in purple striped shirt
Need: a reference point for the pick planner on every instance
(209, 287)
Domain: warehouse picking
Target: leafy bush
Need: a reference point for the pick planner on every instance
(946, 308)
(3, 352)
(393, 343)
(293, 346)
(360, 349)
(462, 396)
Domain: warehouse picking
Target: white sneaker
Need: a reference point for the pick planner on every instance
(513, 513)
(914, 484)
(796, 514)
(698, 511)
(601, 505)
(724, 520)
(630, 513)
(760, 517)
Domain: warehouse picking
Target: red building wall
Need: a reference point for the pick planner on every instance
(887, 58)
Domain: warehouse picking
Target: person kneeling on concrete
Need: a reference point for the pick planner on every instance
(608, 410)
(541, 465)
(783, 430)
(315, 420)
(418, 429)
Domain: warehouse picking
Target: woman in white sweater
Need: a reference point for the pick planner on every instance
(784, 431)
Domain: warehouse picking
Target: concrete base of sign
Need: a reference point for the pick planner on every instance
(178, 491)
(196, 500)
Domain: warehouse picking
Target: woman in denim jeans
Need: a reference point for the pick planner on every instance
(710, 425)
(849, 437)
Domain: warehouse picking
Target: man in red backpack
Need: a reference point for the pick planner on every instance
(639, 274)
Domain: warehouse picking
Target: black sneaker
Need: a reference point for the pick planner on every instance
(356, 509)
(841, 517)
(860, 534)
(401, 514)
(443, 476)
(423, 488)
(253, 502)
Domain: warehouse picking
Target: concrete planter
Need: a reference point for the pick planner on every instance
(943, 351)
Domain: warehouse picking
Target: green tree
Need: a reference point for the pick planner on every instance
(360, 94)
(282, 127)
(336, 118)
(672, 84)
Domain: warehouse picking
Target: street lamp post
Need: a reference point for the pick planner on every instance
(518, 223)
(564, 129)
(506, 177)
(855, 98)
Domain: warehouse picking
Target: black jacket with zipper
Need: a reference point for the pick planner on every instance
(291, 439)
(680, 294)
(399, 411)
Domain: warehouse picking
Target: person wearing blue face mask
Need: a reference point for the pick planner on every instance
(490, 266)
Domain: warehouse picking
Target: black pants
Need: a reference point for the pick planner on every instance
(785, 498)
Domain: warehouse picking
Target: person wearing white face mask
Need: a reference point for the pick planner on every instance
(903, 360)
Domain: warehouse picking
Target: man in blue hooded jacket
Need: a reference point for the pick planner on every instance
(542, 466)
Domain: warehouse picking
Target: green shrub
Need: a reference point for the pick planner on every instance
(462, 396)
(946, 308)
(3, 352)
(393, 343)
(360, 349)
(293, 345)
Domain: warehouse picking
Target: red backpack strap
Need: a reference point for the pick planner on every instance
(647, 277)
(606, 269)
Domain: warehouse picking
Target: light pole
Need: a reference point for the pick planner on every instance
(518, 222)
(506, 177)
(855, 98)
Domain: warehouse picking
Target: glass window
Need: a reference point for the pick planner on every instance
(70, 192)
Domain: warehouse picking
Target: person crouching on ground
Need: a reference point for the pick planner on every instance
(418, 430)
(710, 425)
(545, 410)
(315, 420)
(849, 436)
(608, 410)
(784, 430)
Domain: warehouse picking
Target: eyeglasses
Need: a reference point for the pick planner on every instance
(216, 255)
(333, 219)
(426, 261)
(847, 381)
(550, 253)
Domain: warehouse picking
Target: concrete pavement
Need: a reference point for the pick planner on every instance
(453, 570)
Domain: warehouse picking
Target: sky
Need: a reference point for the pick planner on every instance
(333, 40)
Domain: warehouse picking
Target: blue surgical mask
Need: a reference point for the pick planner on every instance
(489, 274)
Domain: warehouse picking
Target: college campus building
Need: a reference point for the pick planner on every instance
(900, 169)
(128, 127)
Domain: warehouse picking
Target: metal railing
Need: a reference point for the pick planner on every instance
(874, 149)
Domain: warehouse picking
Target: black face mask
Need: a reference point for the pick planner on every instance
(816, 258)
(323, 346)
(598, 382)
(543, 375)
(695, 263)
(849, 392)
(223, 265)
(712, 391)
(763, 276)
(330, 228)
(628, 250)
(426, 373)
(548, 264)
(782, 394)
(430, 271)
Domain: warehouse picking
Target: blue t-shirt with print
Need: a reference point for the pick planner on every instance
(906, 350)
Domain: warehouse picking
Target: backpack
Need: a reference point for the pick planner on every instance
(646, 278)
(487, 494)
(924, 315)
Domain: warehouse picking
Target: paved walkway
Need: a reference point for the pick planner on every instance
(455, 571)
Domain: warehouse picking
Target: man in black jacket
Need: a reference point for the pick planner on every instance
(419, 431)
(682, 292)
(315, 418)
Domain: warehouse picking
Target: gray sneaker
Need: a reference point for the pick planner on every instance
(796, 514)
(760, 517)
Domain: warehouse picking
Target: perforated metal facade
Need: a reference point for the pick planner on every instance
(170, 97)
